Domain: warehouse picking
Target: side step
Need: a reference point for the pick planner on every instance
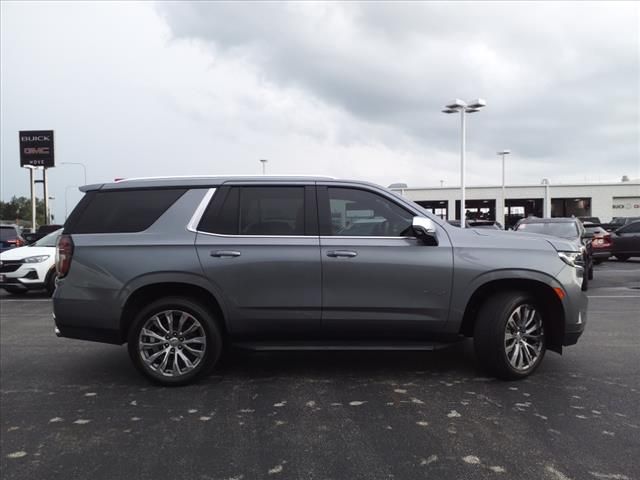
(340, 346)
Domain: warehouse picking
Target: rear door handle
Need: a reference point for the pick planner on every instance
(225, 253)
(342, 253)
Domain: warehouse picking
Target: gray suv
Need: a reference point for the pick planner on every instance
(178, 268)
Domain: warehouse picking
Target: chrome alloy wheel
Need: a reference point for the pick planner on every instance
(524, 337)
(172, 343)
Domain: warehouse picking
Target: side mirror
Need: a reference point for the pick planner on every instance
(424, 229)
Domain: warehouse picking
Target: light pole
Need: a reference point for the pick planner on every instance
(84, 167)
(48, 214)
(463, 107)
(504, 198)
(264, 165)
(546, 208)
(66, 202)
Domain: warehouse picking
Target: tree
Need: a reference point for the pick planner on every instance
(18, 210)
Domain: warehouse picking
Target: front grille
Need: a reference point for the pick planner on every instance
(8, 266)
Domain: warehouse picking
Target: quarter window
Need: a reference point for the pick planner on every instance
(359, 213)
(122, 211)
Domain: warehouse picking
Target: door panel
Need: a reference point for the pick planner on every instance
(260, 249)
(376, 286)
(269, 285)
(391, 288)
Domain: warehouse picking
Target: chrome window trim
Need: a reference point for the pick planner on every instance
(227, 235)
(325, 237)
(364, 237)
(192, 226)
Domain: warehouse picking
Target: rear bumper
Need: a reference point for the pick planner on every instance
(601, 254)
(75, 314)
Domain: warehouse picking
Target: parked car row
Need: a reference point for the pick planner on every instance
(30, 267)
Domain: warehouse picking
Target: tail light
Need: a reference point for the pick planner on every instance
(603, 241)
(64, 254)
(18, 242)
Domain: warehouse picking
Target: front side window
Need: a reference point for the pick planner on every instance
(257, 211)
(359, 213)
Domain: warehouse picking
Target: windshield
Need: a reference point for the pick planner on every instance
(48, 240)
(564, 230)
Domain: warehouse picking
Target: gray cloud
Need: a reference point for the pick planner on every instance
(344, 89)
(559, 77)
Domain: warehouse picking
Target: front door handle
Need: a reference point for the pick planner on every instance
(224, 253)
(342, 253)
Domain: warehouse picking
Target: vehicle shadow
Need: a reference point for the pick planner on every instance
(457, 359)
(110, 365)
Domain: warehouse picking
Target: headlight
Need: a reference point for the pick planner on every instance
(36, 259)
(573, 259)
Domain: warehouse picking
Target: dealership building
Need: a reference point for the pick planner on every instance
(602, 200)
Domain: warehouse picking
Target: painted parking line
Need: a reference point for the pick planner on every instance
(613, 296)
(26, 300)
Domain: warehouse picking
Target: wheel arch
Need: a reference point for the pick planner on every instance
(549, 301)
(149, 292)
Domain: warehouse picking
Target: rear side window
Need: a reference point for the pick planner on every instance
(257, 211)
(631, 228)
(122, 211)
(8, 233)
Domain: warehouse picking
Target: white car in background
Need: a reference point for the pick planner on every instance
(31, 267)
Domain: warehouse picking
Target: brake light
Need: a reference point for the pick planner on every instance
(64, 254)
(602, 241)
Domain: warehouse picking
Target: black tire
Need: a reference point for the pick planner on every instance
(50, 283)
(490, 334)
(15, 291)
(622, 258)
(206, 319)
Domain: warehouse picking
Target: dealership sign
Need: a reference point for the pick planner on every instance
(36, 148)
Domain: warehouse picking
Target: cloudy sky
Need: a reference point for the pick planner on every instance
(343, 89)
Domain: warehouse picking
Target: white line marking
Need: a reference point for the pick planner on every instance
(2, 300)
(613, 296)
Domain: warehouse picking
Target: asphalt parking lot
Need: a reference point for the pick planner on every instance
(78, 410)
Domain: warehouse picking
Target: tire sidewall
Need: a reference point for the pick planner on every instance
(199, 312)
(518, 301)
(50, 283)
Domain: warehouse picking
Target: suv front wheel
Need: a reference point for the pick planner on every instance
(174, 340)
(509, 335)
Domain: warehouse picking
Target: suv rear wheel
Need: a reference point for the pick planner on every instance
(509, 335)
(174, 341)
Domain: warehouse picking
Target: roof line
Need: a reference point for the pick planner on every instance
(171, 177)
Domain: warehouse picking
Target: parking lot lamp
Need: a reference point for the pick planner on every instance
(459, 106)
(66, 202)
(84, 168)
(504, 198)
(264, 165)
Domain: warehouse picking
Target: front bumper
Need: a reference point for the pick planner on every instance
(575, 305)
(24, 279)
